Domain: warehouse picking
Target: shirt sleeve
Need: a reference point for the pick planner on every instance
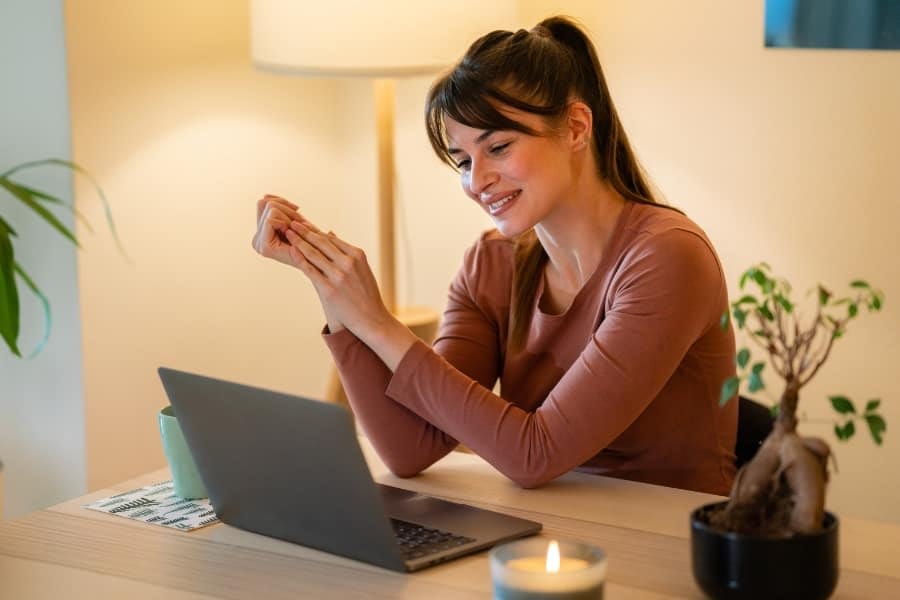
(468, 339)
(663, 297)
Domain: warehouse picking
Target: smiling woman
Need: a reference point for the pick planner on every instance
(576, 303)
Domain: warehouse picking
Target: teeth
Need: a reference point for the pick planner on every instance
(495, 206)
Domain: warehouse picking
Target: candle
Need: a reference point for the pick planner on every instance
(533, 568)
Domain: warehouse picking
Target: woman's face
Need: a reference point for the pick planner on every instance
(517, 178)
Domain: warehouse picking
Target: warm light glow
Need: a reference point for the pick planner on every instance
(553, 557)
(390, 38)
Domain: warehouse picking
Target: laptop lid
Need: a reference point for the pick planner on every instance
(291, 468)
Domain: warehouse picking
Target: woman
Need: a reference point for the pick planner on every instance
(596, 308)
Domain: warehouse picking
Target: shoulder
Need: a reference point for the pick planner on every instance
(665, 234)
(491, 251)
(665, 249)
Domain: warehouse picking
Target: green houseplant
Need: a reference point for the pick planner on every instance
(773, 537)
(43, 205)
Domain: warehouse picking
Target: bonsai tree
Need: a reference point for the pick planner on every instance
(781, 491)
(41, 203)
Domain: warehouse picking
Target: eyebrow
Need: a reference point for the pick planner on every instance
(485, 135)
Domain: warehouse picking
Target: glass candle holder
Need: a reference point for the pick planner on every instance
(548, 569)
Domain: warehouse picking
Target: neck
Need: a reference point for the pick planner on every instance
(577, 233)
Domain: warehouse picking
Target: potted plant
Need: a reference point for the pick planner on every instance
(42, 204)
(773, 537)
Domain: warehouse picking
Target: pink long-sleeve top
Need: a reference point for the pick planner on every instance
(624, 383)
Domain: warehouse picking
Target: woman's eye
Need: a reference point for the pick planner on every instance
(499, 148)
(463, 164)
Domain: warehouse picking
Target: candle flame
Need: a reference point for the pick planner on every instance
(553, 557)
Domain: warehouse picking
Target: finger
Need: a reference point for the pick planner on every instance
(321, 241)
(270, 239)
(341, 245)
(312, 254)
(309, 224)
(275, 219)
(269, 201)
(308, 269)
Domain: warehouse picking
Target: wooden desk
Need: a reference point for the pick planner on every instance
(70, 552)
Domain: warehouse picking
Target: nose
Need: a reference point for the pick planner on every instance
(481, 177)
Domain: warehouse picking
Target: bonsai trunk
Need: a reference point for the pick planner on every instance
(781, 491)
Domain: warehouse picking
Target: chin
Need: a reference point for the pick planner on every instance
(510, 230)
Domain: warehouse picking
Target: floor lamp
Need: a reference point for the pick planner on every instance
(383, 40)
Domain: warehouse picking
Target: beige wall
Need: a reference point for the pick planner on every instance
(780, 155)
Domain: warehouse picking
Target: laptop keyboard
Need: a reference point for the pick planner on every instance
(417, 541)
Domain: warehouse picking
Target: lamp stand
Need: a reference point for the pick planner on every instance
(384, 141)
(421, 320)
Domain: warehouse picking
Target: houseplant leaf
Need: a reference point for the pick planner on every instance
(40, 203)
(9, 296)
(56, 200)
(31, 202)
(81, 170)
(46, 304)
(877, 426)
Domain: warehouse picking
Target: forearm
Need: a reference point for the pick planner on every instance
(405, 442)
(387, 338)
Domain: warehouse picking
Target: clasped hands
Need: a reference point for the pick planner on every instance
(338, 271)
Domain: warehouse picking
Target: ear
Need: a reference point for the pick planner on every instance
(580, 121)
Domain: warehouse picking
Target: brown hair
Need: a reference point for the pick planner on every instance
(538, 72)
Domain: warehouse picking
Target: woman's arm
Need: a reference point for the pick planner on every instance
(666, 296)
(468, 338)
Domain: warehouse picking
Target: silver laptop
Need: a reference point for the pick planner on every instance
(292, 468)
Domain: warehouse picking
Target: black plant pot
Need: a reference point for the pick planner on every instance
(733, 566)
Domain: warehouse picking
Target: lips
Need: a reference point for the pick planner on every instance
(496, 206)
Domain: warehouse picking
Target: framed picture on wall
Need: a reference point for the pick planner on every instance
(848, 24)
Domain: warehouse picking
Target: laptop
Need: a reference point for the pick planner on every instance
(291, 468)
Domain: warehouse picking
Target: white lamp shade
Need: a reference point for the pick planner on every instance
(382, 38)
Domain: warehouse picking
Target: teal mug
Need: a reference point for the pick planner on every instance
(184, 472)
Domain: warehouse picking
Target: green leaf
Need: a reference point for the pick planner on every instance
(877, 427)
(786, 304)
(852, 310)
(81, 170)
(31, 202)
(824, 295)
(724, 320)
(766, 312)
(773, 410)
(748, 299)
(842, 404)
(743, 357)
(46, 304)
(846, 432)
(871, 405)
(758, 367)
(729, 390)
(859, 283)
(55, 200)
(740, 317)
(9, 295)
(837, 332)
(876, 302)
(754, 382)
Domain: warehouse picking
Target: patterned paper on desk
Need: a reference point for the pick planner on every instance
(158, 504)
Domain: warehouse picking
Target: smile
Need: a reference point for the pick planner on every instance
(495, 206)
